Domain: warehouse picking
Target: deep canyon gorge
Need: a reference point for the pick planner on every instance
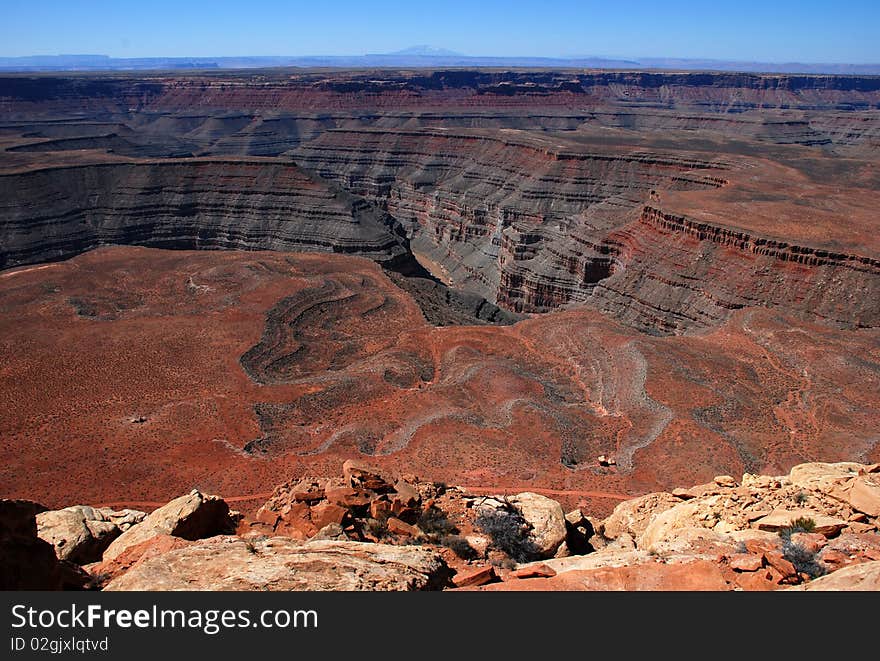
(224, 280)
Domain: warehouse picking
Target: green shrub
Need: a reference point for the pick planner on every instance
(804, 561)
(800, 524)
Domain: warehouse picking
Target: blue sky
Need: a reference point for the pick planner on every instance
(774, 31)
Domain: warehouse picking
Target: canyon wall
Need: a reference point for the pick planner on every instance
(634, 193)
(54, 213)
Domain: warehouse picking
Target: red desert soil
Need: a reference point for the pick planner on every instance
(130, 375)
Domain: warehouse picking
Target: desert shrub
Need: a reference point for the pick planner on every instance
(378, 528)
(802, 497)
(800, 524)
(435, 524)
(460, 547)
(503, 563)
(509, 532)
(804, 560)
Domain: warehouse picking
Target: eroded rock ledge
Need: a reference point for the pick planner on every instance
(814, 528)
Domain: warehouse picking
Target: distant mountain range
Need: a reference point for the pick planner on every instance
(415, 56)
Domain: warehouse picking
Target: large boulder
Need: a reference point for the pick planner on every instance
(547, 521)
(781, 519)
(857, 485)
(283, 564)
(633, 516)
(81, 533)
(862, 577)
(193, 516)
(698, 575)
(830, 479)
(607, 557)
(106, 570)
(696, 513)
(26, 561)
(864, 494)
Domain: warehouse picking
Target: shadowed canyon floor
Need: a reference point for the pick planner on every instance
(678, 271)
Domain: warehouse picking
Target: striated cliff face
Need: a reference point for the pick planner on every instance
(667, 200)
(54, 213)
(309, 90)
(666, 269)
(502, 214)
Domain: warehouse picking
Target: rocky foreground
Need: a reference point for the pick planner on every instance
(813, 529)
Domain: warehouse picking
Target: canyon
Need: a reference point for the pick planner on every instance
(591, 284)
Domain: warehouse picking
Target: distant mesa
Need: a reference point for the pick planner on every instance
(422, 56)
(427, 51)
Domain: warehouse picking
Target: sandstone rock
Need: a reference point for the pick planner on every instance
(474, 577)
(785, 568)
(106, 570)
(324, 514)
(547, 521)
(609, 557)
(360, 475)
(539, 570)
(576, 518)
(724, 481)
(192, 516)
(624, 542)
(398, 527)
(864, 494)
(682, 514)
(751, 537)
(282, 564)
(811, 541)
(308, 496)
(294, 520)
(831, 479)
(682, 493)
(406, 494)
(350, 497)
(700, 575)
(563, 551)
(853, 544)
(746, 562)
(756, 581)
(861, 577)
(331, 531)
(633, 516)
(780, 519)
(81, 533)
(26, 561)
(759, 481)
(693, 540)
(380, 509)
(834, 559)
(479, 543)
